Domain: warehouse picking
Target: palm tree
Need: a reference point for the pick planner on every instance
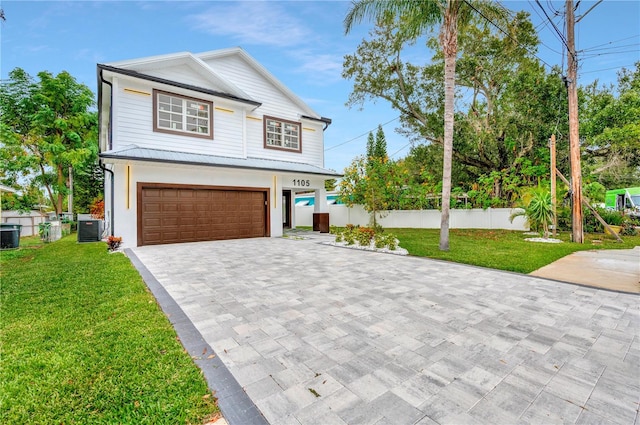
(420, 15)
(538, 210)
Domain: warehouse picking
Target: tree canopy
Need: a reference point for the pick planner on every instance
(417, 18)
(610, 128)
(507, 107)
(47, 127)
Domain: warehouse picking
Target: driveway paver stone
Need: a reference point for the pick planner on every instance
(317, 334)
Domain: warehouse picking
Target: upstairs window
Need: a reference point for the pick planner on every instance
(182, 115)
(282, 134)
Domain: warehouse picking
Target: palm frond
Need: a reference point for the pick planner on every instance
(418, 15)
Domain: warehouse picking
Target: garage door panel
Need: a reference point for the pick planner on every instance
(152, 222)
(172, 215)
(168, 222)
(152, 207)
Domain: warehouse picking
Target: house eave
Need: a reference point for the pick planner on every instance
(172, 83)
(282, 168)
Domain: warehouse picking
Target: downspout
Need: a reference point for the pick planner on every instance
(106, 170)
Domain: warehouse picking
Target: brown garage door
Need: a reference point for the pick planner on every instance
(172, 214)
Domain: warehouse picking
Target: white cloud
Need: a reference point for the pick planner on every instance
(322, 67)
(257, 23)
(323, 63)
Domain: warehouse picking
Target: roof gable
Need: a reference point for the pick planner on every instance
(182, 67)
(212, 56)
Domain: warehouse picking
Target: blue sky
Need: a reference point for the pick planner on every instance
(301, 42)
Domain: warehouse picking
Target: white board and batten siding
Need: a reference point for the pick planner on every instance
(311, 138)
(133, 115)
(184, 74)
(133, 122)
(274, 104)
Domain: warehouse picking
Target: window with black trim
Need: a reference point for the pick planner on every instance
(282, 134)
(175, 113)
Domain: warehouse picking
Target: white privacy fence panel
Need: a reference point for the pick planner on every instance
(29, 221)
(491, 218)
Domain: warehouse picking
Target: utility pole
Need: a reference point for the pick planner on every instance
(574, 135)
(552, 147)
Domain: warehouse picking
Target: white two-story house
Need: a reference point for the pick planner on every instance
(208, 146)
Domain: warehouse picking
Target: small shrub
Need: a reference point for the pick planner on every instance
(628, 227)
(349, 237)
(339, 237)
(379, 241)
(44, 230)
(591, 223)
(97, 208)
(392, 242)
(613, 218)
(364, 235)
(113, 242)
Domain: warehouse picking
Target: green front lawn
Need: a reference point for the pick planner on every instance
(83, 341)
(501, 249)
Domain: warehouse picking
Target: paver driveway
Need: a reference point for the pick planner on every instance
(317, 334)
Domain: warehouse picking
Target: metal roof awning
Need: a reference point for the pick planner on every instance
(163, 156)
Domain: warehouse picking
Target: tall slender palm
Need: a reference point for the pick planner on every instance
(419, 16)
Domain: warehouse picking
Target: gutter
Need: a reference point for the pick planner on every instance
(326, 121)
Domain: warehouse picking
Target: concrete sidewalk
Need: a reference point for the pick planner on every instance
(316, 334)
(615, 269)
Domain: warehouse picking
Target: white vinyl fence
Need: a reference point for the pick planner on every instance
(30, 221)
(491, 218)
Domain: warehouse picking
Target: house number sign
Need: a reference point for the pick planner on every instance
(301, 182)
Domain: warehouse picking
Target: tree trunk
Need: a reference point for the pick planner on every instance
(61, 183)
(449, 40)
(47, 186)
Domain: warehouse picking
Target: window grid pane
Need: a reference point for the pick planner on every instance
(282, 134)
(177, 113)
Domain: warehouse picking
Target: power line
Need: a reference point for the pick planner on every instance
(607, 69)
(553, 24)
(542, 25)
(399, 150)
(579, 18)
(608, 48)
(556, 12)
(362, 135)
(593, 55)
(612, 42)
(505, 33)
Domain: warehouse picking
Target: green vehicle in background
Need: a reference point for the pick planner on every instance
(626, 200)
